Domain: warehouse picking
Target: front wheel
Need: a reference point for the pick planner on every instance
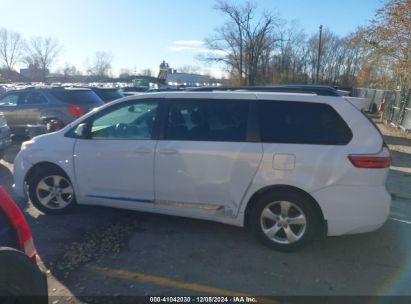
(285, 221)
(52, 192)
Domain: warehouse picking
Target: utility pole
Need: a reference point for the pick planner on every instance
(319, 55)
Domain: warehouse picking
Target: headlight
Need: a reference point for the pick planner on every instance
(27, 144)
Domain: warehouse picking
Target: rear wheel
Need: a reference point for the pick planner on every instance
(285, 221)
(52, 192)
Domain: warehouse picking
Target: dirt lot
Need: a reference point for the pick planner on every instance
(107, 252)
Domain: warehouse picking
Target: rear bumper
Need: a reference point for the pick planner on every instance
(353, 209)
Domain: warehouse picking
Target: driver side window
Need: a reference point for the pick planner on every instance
(128, 122)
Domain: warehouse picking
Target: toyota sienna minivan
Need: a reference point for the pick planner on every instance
(289, 166)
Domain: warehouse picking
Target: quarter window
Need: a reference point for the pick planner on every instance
(301, 123)
(131, 121)
(207, 120)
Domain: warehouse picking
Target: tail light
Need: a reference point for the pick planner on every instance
(75, 110)
(377, 161)
(107, 100)
(370, 161)
(19, 223)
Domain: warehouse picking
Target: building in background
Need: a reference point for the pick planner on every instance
(171, 77)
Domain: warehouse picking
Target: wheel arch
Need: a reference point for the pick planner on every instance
(277, 188)
(44, 165)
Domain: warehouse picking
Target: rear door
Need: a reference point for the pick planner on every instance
(31, 107)
(205, 160)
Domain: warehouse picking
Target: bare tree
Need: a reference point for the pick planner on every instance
(100, 67)
(11, 47)
(243, 41)
(388, 38)
(288, 60)
(41, 53)
(70, 72)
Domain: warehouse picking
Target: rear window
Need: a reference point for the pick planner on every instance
(302, 123)
(78, 97)
(109, 95)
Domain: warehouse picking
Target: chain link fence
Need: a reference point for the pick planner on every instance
(397, 105)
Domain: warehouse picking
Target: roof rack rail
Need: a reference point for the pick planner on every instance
(321, 90)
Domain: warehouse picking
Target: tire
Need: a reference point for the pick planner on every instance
(292, 223)
(52, 192)
(21, 281)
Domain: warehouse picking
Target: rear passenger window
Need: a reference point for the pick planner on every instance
(207, 120)
(302, 123)
(33, 98)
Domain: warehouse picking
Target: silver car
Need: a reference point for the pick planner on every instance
(29, 110)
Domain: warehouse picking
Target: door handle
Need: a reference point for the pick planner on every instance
(167, 151)
(143, 150)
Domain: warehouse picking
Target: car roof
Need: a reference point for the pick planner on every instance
(48, 89)
(321, 90)
(233, 95)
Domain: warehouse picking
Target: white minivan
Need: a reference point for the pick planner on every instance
(290, 166)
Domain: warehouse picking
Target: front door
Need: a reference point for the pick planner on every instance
(116, 163)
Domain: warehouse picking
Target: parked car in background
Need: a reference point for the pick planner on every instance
(32, 111)
(130, 91)
(5, 139)
(107, 94)
(135, 89)
(290, 166)
(19, 274)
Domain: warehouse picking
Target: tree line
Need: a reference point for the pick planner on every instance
(264, 49)
(38, 54)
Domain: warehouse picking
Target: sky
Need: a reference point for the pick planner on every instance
(141, 34)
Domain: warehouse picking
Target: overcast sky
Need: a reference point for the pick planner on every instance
(140, 34)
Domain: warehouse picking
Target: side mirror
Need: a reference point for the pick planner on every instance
(81, 130)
